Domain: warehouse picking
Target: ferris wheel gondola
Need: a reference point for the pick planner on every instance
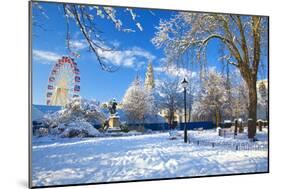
(63, 82)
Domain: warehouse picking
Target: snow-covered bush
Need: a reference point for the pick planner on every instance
(75, 119)
(79, 109)
(80, 129)
(124, 128)
(42, 132)
(54, 131)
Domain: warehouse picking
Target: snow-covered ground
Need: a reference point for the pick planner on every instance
(91, 160)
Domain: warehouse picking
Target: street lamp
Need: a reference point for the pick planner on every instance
(184, 84)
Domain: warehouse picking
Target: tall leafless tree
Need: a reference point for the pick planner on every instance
(170, 98)
(245, 38)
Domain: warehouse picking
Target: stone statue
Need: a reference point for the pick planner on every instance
(112, 107)
(113, 121)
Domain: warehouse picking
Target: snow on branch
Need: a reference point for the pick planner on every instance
(85, 19)
(185, 31)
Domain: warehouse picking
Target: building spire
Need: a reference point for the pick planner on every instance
(137, 81)
(149, 77)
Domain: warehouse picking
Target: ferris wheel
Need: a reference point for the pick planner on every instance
(63, 83)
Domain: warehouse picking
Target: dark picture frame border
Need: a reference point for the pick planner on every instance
(30, 97)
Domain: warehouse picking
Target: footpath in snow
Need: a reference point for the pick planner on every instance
(92, 160)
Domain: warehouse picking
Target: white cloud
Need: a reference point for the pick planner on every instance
(78, 44)
(175, 71)
(45, 57)
(133, 57)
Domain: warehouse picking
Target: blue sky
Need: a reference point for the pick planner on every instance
(135, 48)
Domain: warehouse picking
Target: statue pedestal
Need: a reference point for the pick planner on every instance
(114, 122)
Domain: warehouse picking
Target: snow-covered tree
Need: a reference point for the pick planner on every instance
(137, 102)
(212, 103)
(170, 98)
(240, 98)
(243, 37)
(192, 95)
(192, 85)
(232, 96)
(226, 72)
(263, 98)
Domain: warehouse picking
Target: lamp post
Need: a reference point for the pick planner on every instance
(184, 85)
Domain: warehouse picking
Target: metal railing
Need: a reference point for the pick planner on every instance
(229, 145)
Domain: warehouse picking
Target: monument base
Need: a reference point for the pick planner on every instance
(114, 122)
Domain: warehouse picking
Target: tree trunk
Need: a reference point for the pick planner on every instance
(235, 127)
(171, 118)
(217, 117)
(252, 107)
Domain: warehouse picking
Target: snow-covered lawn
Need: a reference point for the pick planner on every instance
(91, 160)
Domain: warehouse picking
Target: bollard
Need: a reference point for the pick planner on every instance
(213, 145)
(235, 127)
(241, 129)
(264, 124)
(260, 125)
(220, 132)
